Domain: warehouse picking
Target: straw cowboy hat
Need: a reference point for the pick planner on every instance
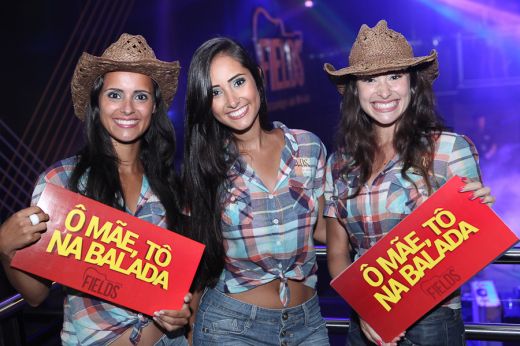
(378, 50)
(129, 53)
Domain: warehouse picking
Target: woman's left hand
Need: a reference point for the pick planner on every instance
(171, 320)
(479, 191)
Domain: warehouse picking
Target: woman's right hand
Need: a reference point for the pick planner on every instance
(18, 231)
(171, 320)
(372, 335)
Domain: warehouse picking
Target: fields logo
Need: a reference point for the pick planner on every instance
(279, 53)
(97, 282)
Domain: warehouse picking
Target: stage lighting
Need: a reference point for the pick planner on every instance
(309, 3)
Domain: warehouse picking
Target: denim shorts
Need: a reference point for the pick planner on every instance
(442, 326)
(222, 320)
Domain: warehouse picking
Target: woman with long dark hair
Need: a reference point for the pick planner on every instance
(127, 163)
(393, 152)
(255, 193)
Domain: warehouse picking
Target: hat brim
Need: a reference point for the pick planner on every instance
(90, 67)
(428, 65)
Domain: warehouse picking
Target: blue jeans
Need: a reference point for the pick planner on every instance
(440, 327)
(175, 338)
(222, 320)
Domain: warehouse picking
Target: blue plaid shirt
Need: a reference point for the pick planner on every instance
(269, 236)
(377, 209)
(87, 319)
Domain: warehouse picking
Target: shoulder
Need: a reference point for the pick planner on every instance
(451, 141)
(336, 163)
(304, 142)
(305, 137)
(300, 136)
(59, 173)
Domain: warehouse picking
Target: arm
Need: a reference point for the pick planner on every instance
(338, 247)
(171, 320)
(15, 233)
(320, 232)
(372, 335)
(464, 163)
(194, 307)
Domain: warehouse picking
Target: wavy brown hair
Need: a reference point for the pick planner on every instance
(415, 135)
(210, 151)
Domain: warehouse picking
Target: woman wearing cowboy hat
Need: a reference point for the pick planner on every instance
(127, 163)
(393, 152)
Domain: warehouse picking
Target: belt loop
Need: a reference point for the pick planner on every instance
(254, 308)
(305, 309)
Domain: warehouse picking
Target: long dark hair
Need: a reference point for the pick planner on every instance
(415, 135)
(210, 151)
(98, 162)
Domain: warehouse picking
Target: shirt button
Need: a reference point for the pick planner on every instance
(278, 242)
(275, 221)
(280, 265)
(270, 196)
(233, 198)
(368, 218)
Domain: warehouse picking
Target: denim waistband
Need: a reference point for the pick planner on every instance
(255, 312)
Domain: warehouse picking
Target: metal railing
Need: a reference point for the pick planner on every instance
(474, 331)
(511, 256)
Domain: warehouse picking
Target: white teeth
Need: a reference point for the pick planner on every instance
(238, 113)
(125, 122)
(386, 105)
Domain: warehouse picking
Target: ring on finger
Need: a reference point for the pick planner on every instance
(34, 219)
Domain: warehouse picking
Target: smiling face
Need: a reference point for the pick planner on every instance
(126, 104)
(384, 98)
(236, 100)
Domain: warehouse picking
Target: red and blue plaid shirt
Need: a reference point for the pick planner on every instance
(380, 207)
(268, 235)
(87, 319)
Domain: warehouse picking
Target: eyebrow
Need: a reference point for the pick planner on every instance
(230, 79)
(235, 76)
(135, 91)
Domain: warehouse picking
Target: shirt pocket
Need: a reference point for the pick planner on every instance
(237, 207)
(405, 196)
(302, 190)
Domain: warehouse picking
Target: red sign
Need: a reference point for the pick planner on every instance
(110, 254)
(426, 257)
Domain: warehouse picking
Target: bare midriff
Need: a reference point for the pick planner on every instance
(268, 295)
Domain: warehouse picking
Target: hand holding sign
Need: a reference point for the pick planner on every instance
(423, 260)
(110, 254)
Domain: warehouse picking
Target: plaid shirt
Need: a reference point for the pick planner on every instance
(87, 319)
(269, 236)
(377, 209)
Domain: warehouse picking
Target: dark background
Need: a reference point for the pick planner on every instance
(478, 42)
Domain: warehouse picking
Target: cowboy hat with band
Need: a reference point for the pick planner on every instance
(378, 50)
(129, 53)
